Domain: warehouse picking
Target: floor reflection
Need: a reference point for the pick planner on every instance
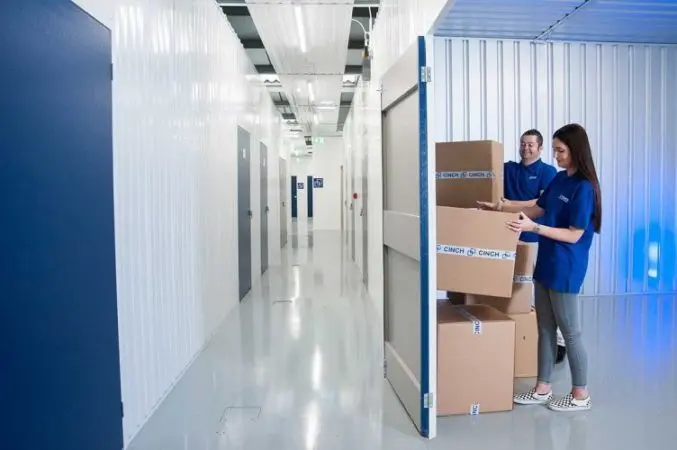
(297, 365)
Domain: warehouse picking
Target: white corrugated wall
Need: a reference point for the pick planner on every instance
(180, 89)
(625, 96)
(397, 27)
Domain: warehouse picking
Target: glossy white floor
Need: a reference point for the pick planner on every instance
(298, 366)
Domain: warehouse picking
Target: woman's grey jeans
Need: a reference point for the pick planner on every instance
(555, 309)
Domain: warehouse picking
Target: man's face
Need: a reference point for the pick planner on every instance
(529, 149)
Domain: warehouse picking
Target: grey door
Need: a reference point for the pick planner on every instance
(244, 212)
(283, 203)
(352, 206)
(342, 203)
(264, 208)
(365, 220)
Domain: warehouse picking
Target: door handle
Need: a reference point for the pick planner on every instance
(267, 209)
(361, 212)
(250, 213)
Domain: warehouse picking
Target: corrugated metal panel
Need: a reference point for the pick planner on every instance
(652, 21)
(572, 20)
(504, 19)
(179, 92)
(397, 26)
(626, 97)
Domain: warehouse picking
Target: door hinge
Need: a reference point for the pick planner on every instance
(122, 409)
(428, 400)
(426, 74)
(385, 368)
(111, 71)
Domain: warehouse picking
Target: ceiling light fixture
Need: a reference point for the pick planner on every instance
(299, 26)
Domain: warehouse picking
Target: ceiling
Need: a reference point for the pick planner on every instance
(636, 21)
(311, 70)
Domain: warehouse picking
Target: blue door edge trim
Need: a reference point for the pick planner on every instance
(424, 237)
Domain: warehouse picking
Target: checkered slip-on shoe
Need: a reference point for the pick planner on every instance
(532, 398)
(569, 403)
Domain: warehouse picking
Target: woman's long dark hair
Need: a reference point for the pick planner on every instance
(575, 137)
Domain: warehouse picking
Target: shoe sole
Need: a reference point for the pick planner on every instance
(570, 408)
(532, 402)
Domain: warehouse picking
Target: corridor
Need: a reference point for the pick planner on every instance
(296, 366)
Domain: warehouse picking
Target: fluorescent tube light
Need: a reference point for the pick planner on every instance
(299, 27)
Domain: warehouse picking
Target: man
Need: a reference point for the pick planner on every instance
(523, 183)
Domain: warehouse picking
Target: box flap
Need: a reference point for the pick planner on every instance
(449, 314)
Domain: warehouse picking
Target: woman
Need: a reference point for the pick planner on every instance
(571, 212)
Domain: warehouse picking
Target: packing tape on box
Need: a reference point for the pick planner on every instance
(523, 279)
(465, 175)
(476, 323)
(473, 252)
(475, 409)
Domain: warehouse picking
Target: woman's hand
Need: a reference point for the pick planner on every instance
(494, 206)
(488, 206)
(523, 223)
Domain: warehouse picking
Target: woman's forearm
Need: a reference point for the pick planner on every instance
(532, 212)
(522, 203)
(568, 235)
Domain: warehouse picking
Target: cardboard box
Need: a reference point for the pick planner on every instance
(475, 252)
(521, 300)
(526, 345)
(468, 172)
(475, 360)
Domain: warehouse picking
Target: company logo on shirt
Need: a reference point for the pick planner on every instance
(533, 177)
(564, 199)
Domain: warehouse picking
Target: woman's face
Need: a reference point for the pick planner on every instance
(562, 154)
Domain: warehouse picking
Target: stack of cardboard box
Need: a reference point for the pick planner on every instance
(487, 332)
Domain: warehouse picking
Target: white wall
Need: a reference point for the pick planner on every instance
(325, 163)
(397, 26)
(180, 89)
(625, 96)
